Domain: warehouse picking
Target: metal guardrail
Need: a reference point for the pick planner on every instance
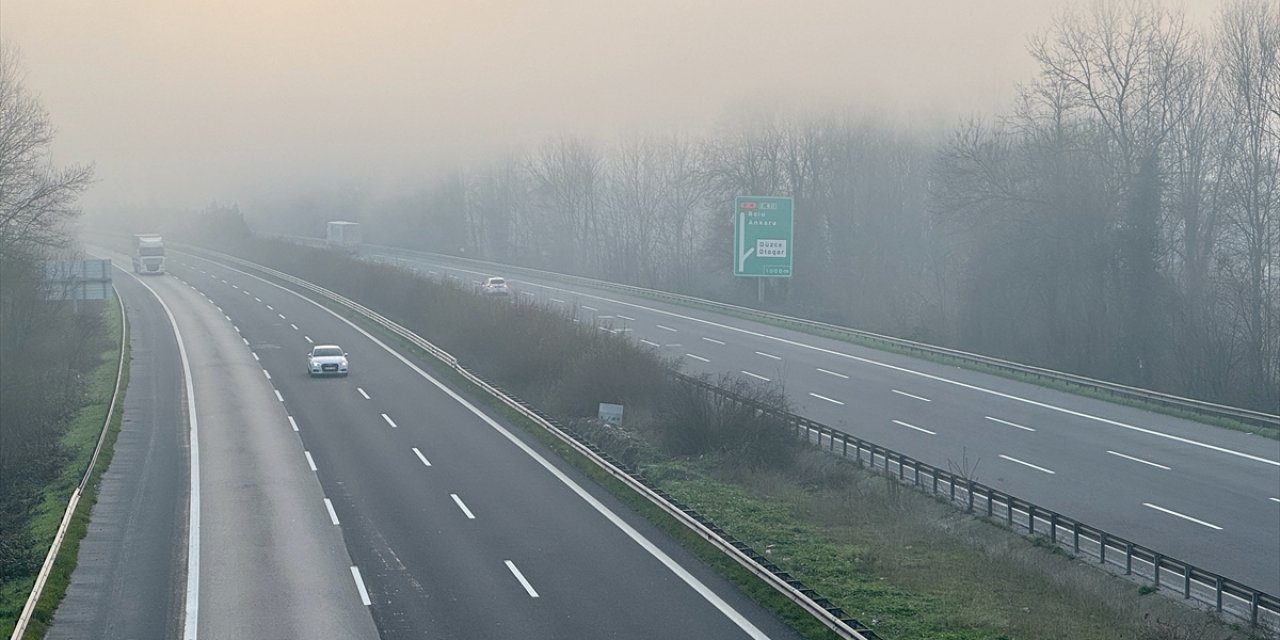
(820, 608)
(1165, 574)
(1168, 401)
(20, 627)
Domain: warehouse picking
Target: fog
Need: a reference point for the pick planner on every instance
(181, 103)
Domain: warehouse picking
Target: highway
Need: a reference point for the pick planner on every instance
(386, 505)
(1202, 494)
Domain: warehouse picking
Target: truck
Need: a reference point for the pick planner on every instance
(343, 235)
(148, 254)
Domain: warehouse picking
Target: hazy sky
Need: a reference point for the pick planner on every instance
(186, 101)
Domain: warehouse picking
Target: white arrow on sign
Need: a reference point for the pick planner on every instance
(743, 251)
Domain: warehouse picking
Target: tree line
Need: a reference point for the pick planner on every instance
(1121, 220)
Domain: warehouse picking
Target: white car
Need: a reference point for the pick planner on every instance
(327, 360)
(495, 287)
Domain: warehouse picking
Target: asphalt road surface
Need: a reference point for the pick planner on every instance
(1202, 494)
(384, 504)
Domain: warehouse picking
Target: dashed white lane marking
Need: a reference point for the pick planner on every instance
(768, 355)
(1183, 516)
(713, 341)
(465, 510)
(628, 318)
(912, 426)
(266, 373)
(679, 571)
(699, 358)
(755, 375)
(520, 576)
(257, 299)
(389, 420)
(589, 308)
(833, 373)
(604, 317)
(295, 327)
(652, 344)
(831, 400)
(255, 356)
(246, 292)
(909, 395)
(557, 300)
(1274, 499)
(237, 329)
(1146, 462)
(362, 392)
(333, 515)
(1028, 464)
(278, 396)
(293, 423)
(364, 593)
(246, 340)
(666, 328)
(270, 308)
(311, 462)
(1011, 424)
(673, 345)
(282, 316)
(421, 457)
(227, 317)
(308, 338)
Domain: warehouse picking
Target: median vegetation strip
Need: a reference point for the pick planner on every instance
(898, 561)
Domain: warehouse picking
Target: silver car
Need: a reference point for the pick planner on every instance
(327, 360)
(495, 287)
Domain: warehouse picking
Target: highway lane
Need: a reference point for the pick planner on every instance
(1206, 495)
(460, 525)
(262, 559)
(128, 581)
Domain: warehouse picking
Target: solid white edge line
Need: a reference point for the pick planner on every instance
(389, 420)
(310, 461)
(1028, 464)
(364, 593)
(333, 515)
(674, 567)
(1011, 424)
(292, 423)
(191, 607)
(928, 376)
(362, 392)
(421, 457)
(520, 576)
(832, 373)
(832, 400)
(912, 426)
(768, 355)
(465, 510)
(696, 357)
(910, 395)
(755, 375)
(1146, 462)
(278, 396)
(1183, 516)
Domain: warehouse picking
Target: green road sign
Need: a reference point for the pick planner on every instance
(762, 245)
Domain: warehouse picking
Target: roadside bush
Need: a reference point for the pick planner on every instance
(695, 422)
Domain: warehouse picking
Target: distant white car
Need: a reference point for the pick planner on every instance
(495, 287)
(327, 360)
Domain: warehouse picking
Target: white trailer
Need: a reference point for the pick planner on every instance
(343, 235)
(148, 253)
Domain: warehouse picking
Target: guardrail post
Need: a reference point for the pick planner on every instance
(1128, 558)
(1053, 528)
(1075, 536)
(1186, 581)
(969, 491)
(844, 439)
(990, 502)
(1008, 509)
(1253, 608)
(915, 471)
(1217, 587)
(1155, 557)
(1102, 547)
